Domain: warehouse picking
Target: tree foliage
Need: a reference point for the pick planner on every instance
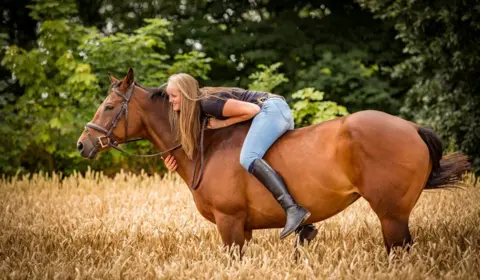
(56, 88)
(308, 104)
(63, 78)
(347, 80)
(267, 79)
(240, 35)
(310, 108)
(441, 42)
(416, 59)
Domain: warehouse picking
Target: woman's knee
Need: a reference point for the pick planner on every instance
(246, 161)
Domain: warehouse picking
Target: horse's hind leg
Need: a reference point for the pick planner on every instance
(393, 211)
(393, 204)
(393, 191)
(248, 234)
(305, 233)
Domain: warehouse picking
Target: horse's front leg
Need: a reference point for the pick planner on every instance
(231, 229)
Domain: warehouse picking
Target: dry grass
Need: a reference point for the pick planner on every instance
(144, 227)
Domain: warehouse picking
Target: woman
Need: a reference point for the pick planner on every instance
(227, 106)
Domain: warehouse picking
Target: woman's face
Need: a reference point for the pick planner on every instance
(174, 96)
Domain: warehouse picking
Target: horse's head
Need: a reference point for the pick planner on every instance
(115, 120)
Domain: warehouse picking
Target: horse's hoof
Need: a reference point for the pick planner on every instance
(306, 233)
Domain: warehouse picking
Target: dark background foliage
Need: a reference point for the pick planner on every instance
(415, 59)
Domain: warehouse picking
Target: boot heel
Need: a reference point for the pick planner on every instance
(289, 228)
(306, 217)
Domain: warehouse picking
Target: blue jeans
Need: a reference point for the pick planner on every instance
(274, 119)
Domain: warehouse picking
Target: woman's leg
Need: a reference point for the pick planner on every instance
(272, 122)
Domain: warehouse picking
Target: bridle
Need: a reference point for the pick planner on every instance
(108, 133)
(112, 142)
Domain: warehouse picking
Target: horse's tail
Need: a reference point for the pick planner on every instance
(447, 171)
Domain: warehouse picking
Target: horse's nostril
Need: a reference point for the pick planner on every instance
(80, 146)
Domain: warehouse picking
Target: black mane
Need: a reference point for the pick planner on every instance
(154, 92)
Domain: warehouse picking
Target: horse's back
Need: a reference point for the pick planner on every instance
(384, 138)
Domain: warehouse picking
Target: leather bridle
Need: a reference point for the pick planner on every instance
(112, 142)
(108, 133)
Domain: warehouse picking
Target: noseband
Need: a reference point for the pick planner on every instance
(110, 139)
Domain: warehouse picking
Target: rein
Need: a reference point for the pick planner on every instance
(200, 153)
(113, 143)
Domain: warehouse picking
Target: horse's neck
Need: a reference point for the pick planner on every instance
(155, 118)
(158, 132)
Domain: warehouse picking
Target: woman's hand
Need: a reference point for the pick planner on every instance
(214, 123)
(170, 163)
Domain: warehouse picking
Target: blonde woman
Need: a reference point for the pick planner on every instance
(271, 118)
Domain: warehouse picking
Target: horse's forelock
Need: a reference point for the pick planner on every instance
(116, 84)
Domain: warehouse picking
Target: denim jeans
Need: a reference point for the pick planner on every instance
(274, 119)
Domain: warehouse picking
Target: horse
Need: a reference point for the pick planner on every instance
(386, 160)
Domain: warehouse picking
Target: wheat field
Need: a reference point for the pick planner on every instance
(147, 227)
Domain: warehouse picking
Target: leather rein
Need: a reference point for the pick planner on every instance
(113, 143)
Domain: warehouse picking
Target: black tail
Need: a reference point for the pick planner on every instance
(447, 171)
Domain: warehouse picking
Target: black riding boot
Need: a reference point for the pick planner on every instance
(296, 214)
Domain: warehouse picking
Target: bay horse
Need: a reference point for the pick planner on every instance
(382, 158)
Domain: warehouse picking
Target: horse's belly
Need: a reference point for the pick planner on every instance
(312, 162)
(265, 212)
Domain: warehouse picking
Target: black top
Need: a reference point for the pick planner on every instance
(213, 106)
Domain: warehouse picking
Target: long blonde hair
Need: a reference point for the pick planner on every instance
(186, 125)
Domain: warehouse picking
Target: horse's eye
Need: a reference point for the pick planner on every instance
(108, 107)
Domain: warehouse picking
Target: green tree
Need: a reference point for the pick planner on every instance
(56, 85)
(267, 79)
(239, 35)
(347, 80)
(16, 27)
(308, 104)
(310, 108)
(63, 77)
(334, 46)
(441, 43)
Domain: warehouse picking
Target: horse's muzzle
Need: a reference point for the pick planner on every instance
(80, 147)
(86, 149)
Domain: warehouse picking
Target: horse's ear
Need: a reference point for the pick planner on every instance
(112, 78)
(128, 80)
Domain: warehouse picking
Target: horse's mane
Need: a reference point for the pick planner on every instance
(155, 92)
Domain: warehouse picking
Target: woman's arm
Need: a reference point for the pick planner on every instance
(236, 111)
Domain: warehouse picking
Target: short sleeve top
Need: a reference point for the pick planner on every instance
(213, 105)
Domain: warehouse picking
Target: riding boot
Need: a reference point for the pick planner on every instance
(296, 214)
